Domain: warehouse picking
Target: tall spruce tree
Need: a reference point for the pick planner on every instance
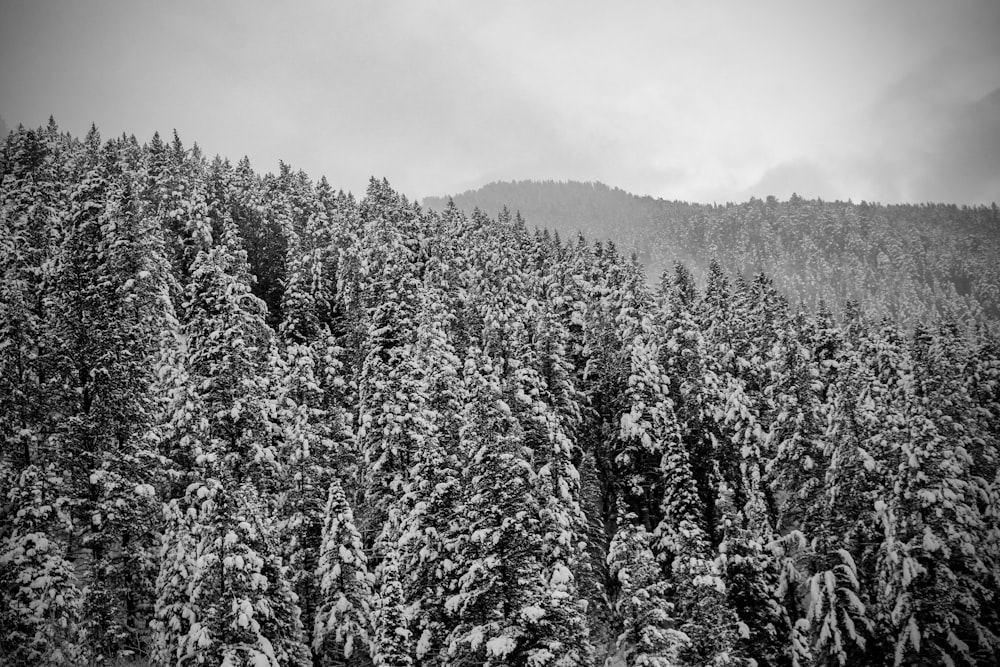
(342, 631)
(222, 590)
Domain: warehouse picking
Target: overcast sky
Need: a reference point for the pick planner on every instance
(702, 101)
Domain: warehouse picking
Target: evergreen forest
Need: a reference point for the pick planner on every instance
(251, 420)
(914, 263)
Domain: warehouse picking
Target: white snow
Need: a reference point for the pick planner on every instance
(532, 613)
(501, 646)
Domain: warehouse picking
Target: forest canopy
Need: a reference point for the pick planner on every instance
(913, 263)
(250, 419)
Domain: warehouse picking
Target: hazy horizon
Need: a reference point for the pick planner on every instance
(714, 102)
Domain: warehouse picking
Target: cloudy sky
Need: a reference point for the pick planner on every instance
(702, 101)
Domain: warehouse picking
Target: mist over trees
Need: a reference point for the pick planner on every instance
(250, 419)
(913, 263)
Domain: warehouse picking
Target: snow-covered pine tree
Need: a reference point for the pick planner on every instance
(861, 444)
(561, 521)
(34, 191)
(683, 358)
(313, 436)
(263, 236)
(349, 324)
(79, 427)
(223, 598)
(310, 271)
(392, 641)
(248, 612)
(743, 510)
(527, 339)
(101, 324)
(124, 512)
(983, 385)
(429, 520)
(933, 568)
(803, 366)
(766, 629)
(579, 547)
(222, 590)
(342, 631)
(39, 622)
(391, 395)
(499, 608)
(177, 200)
(696, 586)
(310, 387)
(648, 630)
(223, 417)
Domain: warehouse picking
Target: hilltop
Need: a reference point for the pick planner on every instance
(912, 262)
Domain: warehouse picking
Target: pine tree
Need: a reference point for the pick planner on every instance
(500, 600)
(342, 629)
(98, 334)
(861, 443)
(391, 640)
(177, 200)
(428, 513)
(391, 394)
(34, 192)
(752, 575)
(124, 512)
(932, 571)
(683, 358)
(307, 451)
(227, 601)
(648, 629)
(236, 603)
(222, 416)
(264, 236)
(43, 605)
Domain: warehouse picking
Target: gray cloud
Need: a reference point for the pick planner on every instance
(950, 153)
(804, 178)
(701, 101)
(964, 164)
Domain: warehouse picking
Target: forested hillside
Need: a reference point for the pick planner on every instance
(912, 263)
(251, 420)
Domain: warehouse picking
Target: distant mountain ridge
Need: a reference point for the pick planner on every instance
(913, 262)
(591, 207)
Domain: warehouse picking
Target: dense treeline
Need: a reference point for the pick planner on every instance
(912, 263)
(250, 420)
